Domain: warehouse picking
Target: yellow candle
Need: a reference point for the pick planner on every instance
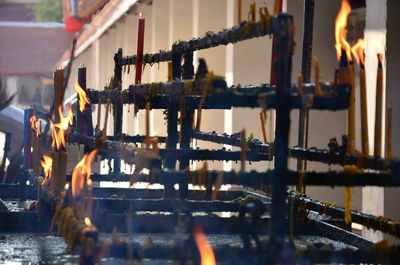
(351, 149)
(364, 112)
(388, 145)
(262, 120)
(252, 13)
(239, 11)
(317, 90)
(243, 150)
(147, 124)
(300, 84)
(169, 71)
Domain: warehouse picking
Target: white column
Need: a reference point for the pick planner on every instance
(375, 38)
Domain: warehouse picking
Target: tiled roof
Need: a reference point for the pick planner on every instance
(31, 49)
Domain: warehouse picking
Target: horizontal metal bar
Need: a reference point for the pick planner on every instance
(257, 180)
(384, 224)
(162, 223)
(224, 195)
(337, 99)
(119, 205)
(12, 191)
(244, 31)
(127, 152)
(311, 154)
(134, 138)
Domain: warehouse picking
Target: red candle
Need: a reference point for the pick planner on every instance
(139, 53)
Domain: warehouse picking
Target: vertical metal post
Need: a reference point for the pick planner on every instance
(308, 26)
(279, 182)
(84, 119)
(117, 81)
(186, 126)
(28, 113)
(172, 120)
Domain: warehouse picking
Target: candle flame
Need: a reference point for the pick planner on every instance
(88, 222)
(340, 30)
(66, 186)
(206, 252)
(47, 164)
(81, 172)
(58, 129)
(380, 58)
(140, 14)
(35, 125)
(358, 51)
(83, 98)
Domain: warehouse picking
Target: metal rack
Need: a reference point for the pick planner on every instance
(256, 214)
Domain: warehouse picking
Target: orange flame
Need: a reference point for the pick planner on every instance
(47, 164)
(81, 172)
(340, 30)
(358, 51)
(83, 98)
(58, 136)
(380, 58)
(35, 125)
(206, 252)
(88, 222)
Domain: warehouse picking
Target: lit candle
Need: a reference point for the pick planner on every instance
(139, 53)
(352, 113)
(89, 200)
(378, 109)
(345, 75)
(358, 53)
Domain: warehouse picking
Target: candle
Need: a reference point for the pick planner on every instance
(278, 7)
(358, 53)
(139, 53)
(243, 147)
(252, 12)
(345, 75)
(239, 10)
(89, 198)
(388, 145)
(317, 90)
(147, 139)
(262, 120)
(352, 113)
(364, 111)
(300, 84)
(169, 71)
(378, 109)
